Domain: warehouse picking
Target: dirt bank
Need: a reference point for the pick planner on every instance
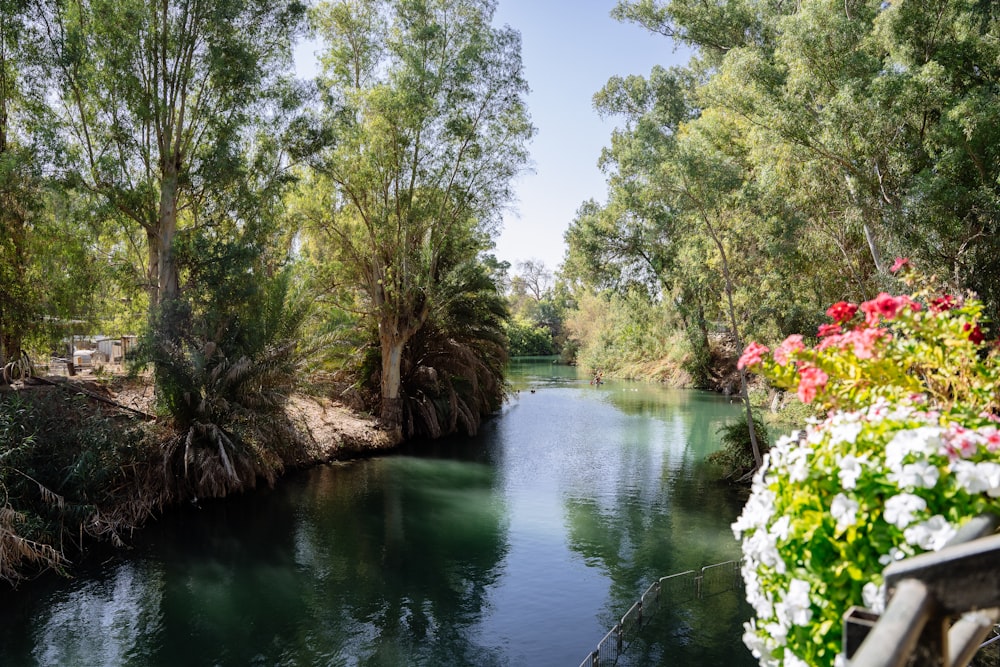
(330, 430)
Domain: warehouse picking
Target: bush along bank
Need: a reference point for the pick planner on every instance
(75, 471)
(908, 452)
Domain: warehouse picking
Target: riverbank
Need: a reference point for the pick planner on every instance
(86, 461)
(328, 430)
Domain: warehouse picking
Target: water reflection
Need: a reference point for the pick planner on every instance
(401, 553)
(521, 547)
(655, 511)
(106, 621)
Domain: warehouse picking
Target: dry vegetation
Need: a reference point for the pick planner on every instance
(107, 428)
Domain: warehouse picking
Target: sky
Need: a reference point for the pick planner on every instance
(570, 48)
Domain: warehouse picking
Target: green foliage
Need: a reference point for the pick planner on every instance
(62, 460)
(627, 336)
(158, 106)
(425, 100)
(454, 366)
(528, 339)
(735, 459)
(226, 360)
(796, 165)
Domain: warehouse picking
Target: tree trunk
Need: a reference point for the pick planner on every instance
(873, 248)
(865, 225)
(392, 343)
(744, 394)
(167, 280)
(153, 269)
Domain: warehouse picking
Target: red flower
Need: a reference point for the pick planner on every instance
(752, 355)
(841, 311)
(975, 333)
(899, 263)
(828, 330)
(942, 303)
(810, 379)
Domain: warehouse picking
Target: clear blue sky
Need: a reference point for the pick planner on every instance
(570, 48)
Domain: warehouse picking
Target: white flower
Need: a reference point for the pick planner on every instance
(873, 597)
(762, 606)
(792, 660)
(753, 640)
(844, 510)
(925, 440)
(778, 632)
(850, 469)
(797, 603)
(899, 412)
(798, 464)
(930, 535)
(919, 475)
(845, 432)
(762, 547)
(756, 513)
(978, 477)
(781, 528)
(900, 510)
(891, 557)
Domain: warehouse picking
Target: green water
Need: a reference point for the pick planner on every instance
(521, 547)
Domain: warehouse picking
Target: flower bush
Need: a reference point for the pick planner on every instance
(908, 452)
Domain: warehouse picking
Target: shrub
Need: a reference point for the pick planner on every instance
(735, 458)
(68, 469)
(907, 454)
(226, 358)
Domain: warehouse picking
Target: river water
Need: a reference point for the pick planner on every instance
(521, 547)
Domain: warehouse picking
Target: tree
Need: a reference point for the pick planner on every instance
(20, 181)
(156, 102)
(425, 99)
(538, 306)
(533, 279)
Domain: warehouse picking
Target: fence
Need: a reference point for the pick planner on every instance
(677, 589)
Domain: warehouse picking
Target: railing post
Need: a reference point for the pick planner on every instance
(925, 592)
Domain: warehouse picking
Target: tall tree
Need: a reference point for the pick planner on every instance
(157, 99)
(426, 102)
(19, 178)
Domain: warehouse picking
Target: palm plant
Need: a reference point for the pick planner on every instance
(454, 367)
(226, 359)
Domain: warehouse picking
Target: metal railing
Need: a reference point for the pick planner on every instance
(677, 589)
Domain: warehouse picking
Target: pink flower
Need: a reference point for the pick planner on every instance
(841, 311)
(992, 438)
(752, 355)
(828, 330)
(810, 379)
(884, 305)
(899, 264)
(839, 341)
(913, 305)
(791, 344)
(960, 443)
(863, 341)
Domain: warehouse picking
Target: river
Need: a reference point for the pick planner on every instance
(519, 547)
